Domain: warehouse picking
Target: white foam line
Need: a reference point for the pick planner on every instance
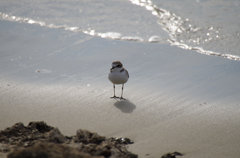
(173, 25)
(205, 52)
(91, 32)
(115, 35)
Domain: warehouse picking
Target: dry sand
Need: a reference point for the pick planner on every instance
(177, 100)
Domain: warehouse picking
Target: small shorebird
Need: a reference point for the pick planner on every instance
(118, 75)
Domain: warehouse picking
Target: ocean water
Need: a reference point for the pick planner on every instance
(209, 27)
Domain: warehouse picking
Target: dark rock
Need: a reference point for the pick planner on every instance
(14, 131)
(131, 155)
(37, 139)
(11, 134)
(123, 140)
(172, 155)
(84, 136)
(56, 136)
(40, 126)
(102, 150)
(4, 148)
(177, 153)
(21, 135)
(49, 150)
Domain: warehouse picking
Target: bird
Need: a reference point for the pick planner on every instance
(118, 75)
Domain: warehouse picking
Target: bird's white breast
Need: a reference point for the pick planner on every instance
(117, 77)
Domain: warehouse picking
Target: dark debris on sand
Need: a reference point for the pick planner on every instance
(172, 155)
(39, 140)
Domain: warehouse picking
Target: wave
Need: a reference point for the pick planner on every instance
(179, 28)
(169, 22)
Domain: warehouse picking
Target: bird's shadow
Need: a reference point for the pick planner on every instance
(125, 105)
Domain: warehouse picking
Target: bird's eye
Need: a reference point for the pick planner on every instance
(118, 65)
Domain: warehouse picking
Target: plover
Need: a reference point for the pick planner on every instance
(118, 75)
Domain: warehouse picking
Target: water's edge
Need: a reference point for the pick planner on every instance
(169, 22)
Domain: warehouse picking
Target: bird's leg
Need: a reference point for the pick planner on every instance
(122, 91)
(114, 96)
(114, 90)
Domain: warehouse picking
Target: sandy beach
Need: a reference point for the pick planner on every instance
(177, 100)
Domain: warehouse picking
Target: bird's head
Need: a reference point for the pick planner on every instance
(116, 64)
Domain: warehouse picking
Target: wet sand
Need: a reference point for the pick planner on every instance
(177, 100)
